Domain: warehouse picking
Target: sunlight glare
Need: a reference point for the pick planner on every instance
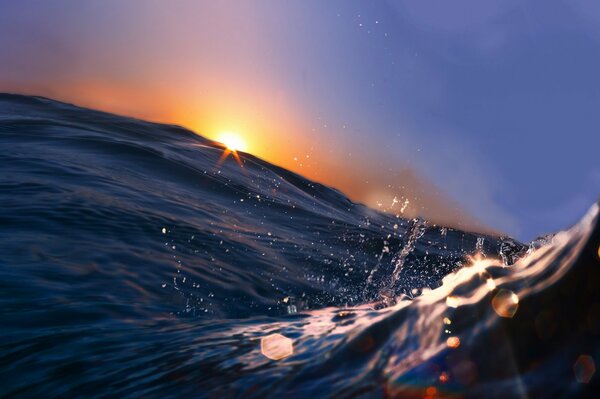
(232, 141)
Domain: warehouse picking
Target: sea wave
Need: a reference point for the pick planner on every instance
(138, 260)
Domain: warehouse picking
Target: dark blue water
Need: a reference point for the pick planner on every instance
(134, 264)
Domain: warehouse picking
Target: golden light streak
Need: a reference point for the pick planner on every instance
(452, 301)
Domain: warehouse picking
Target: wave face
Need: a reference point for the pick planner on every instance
(138, 261)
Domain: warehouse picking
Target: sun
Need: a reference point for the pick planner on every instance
(233, 141)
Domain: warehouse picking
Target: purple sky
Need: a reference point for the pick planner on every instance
(495, 103)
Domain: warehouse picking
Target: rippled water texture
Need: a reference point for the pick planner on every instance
(137, 262)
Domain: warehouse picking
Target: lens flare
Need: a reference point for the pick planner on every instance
(233, 143)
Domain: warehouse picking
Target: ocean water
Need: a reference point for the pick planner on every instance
(142, 260)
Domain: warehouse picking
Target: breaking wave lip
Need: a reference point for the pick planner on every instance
(457, 340)
(134, 264)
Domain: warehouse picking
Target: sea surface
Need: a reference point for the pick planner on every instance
(141, 260)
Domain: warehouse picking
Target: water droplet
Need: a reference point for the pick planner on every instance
(415, 231)
(479, 245)
(291, 309)
(511, 251)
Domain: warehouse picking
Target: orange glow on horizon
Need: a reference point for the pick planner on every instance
(271, 126)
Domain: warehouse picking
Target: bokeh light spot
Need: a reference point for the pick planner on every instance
(276, 346)
(584, 369)
(444, 377)
(453, 342)
(505, 303)
(430, 392)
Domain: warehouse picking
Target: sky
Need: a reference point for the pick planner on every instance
(480, 113)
